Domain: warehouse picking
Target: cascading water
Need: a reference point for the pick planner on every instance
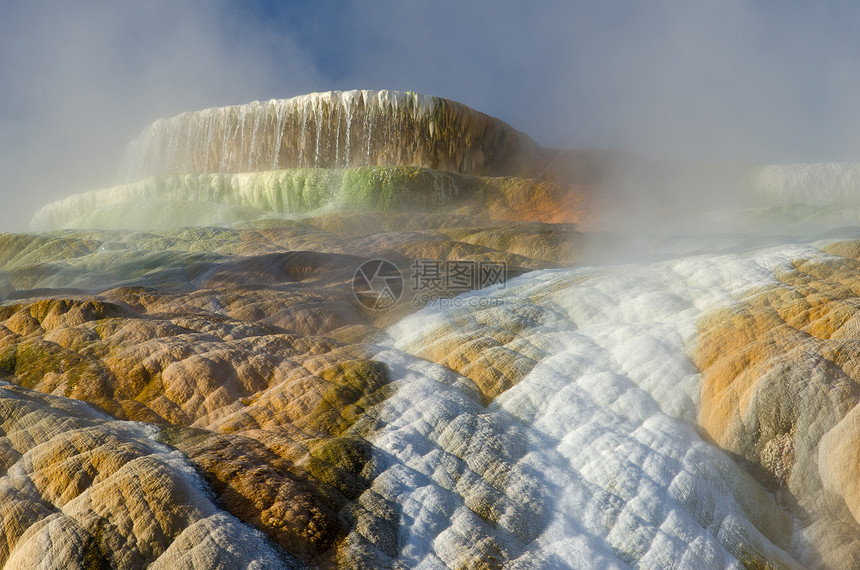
(306, 131)
(352, 129)
(609, 473)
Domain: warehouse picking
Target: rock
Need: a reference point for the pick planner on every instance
(332, 130)
(781, 389)
(205, 386)
(79, 486)
(175, 201)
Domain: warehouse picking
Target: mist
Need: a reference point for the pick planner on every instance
(735, 82)
(81, 79)
(729, 80)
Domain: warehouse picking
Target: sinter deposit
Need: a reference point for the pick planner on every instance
(189, 381)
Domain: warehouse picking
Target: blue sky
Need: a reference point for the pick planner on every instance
(728, 80)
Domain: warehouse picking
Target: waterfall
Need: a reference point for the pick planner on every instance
(329, 130)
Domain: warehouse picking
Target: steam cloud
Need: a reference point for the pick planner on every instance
(728, 81)
(81, 79)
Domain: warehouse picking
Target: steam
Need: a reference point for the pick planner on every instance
(82, 79)
(730, 82)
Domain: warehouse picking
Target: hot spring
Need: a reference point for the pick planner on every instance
(564, 373)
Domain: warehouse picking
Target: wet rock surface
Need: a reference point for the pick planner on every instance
(781, 388)
(190, 378)
(242, 353)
